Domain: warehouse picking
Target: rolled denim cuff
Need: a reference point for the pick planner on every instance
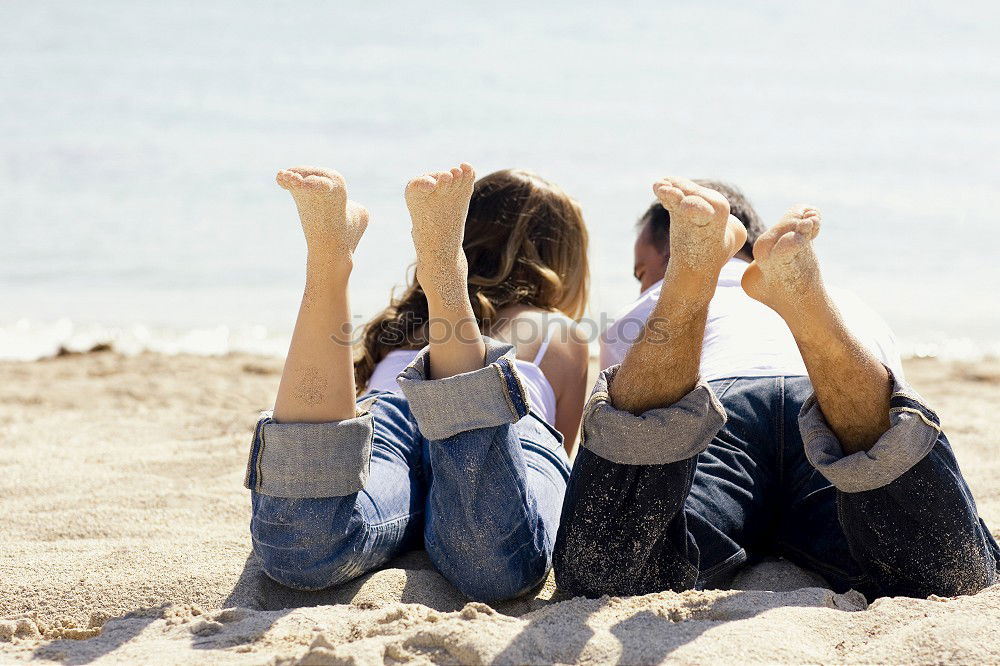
(486, 398)
(659, 436)
(316, 460)
(914, 429)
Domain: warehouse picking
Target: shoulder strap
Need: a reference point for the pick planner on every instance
(544, 347)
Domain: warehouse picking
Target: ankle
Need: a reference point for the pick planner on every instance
(444, 282)
(814, 324)
(325, 261)
(694, 284)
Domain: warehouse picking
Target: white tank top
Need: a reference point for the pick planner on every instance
(539, 390)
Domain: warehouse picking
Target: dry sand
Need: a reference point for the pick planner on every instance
(123, 535)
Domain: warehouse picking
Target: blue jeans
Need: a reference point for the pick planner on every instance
(459, 466)
(681, 497)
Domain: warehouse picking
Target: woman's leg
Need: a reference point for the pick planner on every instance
(317, 384)
(498, 478)
(438, 205)
(335, 487)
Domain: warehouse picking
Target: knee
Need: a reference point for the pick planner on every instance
(491, 576)
(309, 569)
(305, 578)
(960, 579)
(586, 568)
(294, 549)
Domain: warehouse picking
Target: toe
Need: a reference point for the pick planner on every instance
(717, 200)
(317, 182)
(291, 179)
(685, 185)
(456, 174)
(358, 213)
(443, 177)
(697, 205)
(789, 243)
(422, 184)
(306, 171)
(809, 227)
(799, 210)
(668, 195)
(765, 242)
(467, 170)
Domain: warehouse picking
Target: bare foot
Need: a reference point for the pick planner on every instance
(785, 273)
(331, 223)
(703, 236)
(438, 204)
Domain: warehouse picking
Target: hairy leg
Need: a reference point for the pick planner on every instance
(663, 365)
(317, 383)
(852, 387)
(438, 204)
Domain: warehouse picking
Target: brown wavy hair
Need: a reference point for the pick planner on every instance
(526, 244)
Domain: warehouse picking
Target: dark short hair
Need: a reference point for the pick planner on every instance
(658, 218)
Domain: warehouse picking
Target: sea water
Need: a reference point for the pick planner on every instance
(139, 142)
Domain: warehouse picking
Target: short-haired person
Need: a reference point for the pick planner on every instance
(752, 417)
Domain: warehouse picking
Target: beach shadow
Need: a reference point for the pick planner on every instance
(422, 585)
(650, 634)
(417, 582)
(555, 634)
(648, 637)
(114, 633)
(536, 637)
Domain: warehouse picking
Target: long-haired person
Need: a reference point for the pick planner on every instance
(452, 428)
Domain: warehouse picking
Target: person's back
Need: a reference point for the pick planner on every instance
(552, 358)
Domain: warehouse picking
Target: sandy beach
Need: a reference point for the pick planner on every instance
(124, 540)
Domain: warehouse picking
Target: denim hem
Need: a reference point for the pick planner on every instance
(721, 570)
(489, 397)
(825, 569)
(660, 436)
(913, 430)
(310, 460)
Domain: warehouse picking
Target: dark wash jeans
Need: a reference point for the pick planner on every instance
(681, 497)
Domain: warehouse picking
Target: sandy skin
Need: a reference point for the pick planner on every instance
(317, 384)
(852, 387)
(784, 274)
(663, 365)
(439, 203)
(330, 221)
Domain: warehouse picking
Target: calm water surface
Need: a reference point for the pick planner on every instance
(138, 145)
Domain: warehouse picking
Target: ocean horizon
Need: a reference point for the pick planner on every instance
(140, 144)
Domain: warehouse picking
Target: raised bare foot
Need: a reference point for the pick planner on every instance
(703, 236)
(438, 204)
(785, 274)
(332, 224)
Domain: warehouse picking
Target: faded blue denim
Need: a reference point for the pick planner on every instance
(459, 466)
(682, 496)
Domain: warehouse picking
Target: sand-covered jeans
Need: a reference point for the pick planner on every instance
(459, 466)
(682, 496)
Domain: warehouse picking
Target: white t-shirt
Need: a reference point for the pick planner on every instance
(745, 338)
